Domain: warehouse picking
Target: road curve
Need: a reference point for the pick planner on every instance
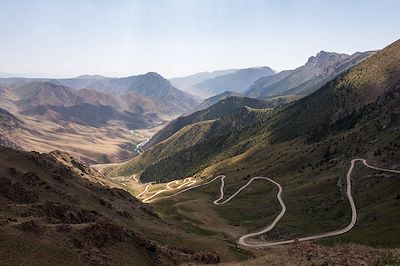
(258, 243)
(144, 191)
(168, 187)
(324, 235)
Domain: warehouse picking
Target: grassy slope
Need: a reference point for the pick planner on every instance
(226, 138)
(221, 109)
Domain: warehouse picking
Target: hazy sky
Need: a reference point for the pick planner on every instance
(179, 37)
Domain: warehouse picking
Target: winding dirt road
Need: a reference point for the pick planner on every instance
(168, 187)
(243, 240)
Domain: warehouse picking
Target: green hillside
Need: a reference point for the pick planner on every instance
(226, 138)
(221, 109)
(183, 139)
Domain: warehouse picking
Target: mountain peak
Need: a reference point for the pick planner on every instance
(322, 53)
(323, 57)
(154, 75)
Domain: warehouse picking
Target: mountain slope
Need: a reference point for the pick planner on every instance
(220, 109)
(54, 216)
(237, 81)
(306, 79)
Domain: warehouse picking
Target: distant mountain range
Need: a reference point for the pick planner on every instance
(208, 84)
(189, 83)
(237, 81)
(151, 85)
(61, 104)
(265, 83)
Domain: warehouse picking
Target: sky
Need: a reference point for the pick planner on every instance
(65, 38)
